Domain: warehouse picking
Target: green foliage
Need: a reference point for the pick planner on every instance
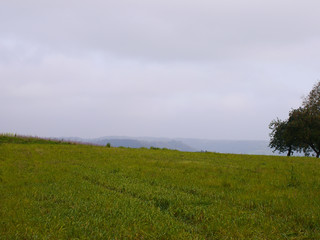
(306, 129)
(155, 148)
(280, 137)
(59, 191)
(301, 132)
(108, 145)
(312, 101)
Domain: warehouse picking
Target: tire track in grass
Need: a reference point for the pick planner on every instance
(181, 214)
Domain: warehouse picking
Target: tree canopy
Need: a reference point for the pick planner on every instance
(301, 131)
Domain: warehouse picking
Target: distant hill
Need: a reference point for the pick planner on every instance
(136, 143)
(258, 147)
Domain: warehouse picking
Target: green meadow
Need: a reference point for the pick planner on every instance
(57, 190)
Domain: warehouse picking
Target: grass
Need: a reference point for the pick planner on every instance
(56, 190)
(13, 138)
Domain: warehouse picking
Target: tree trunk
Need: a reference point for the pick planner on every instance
(289, 152)
(315, 150)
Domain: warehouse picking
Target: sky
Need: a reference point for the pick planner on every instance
(209, 69)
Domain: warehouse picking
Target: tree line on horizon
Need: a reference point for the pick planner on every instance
(301, 131)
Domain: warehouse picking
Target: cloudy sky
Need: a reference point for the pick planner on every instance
(215, 69)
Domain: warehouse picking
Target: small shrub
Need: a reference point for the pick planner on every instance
(154, 148)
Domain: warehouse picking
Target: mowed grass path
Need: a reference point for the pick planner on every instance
(60, 191)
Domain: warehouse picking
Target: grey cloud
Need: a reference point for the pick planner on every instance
(211, 69)
(164, 30)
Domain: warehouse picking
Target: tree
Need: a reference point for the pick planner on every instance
(301, 132)
(297, 129)
(277, 139)
(307, 129)
(282, 137)
(311, 119)
(312, 101)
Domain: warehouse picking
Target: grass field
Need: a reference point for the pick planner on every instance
(56, 190)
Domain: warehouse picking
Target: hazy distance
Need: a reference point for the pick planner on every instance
(177, 69)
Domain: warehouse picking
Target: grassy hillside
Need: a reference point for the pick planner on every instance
(69, 191)
(11, 138)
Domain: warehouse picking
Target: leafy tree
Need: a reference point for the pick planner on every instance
(311, 119)
(301, 132)
(307, 129)
(282, 137)
(312, 101)
(297, 129)
(277, 140)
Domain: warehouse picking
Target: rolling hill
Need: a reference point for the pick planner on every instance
(58, 190)
(259, 147)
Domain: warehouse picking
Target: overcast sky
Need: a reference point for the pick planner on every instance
(215, 69)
